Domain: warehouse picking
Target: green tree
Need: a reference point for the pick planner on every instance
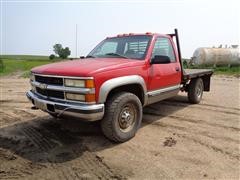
(57, 48)
(60, 51)
(52, 56)
(65, 53)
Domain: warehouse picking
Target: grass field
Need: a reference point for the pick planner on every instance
(23, 63)
(24, 57)
(235, 70)
(221, 70)
(224, 70)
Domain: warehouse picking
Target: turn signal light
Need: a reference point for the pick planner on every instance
(89, 83)
(90, 98)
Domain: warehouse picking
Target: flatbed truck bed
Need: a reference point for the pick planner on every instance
(193, 73)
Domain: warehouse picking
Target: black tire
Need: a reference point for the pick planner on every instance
(123, 117)
(195, 91)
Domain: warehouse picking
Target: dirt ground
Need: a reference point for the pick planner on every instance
(177, 140)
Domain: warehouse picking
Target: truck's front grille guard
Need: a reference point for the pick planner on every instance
(64, 89)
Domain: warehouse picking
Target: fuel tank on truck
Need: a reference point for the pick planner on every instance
(216, 56)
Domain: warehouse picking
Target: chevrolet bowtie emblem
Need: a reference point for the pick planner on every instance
(43, 86)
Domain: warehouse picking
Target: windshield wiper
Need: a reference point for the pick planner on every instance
(115, 54)
(90, 56)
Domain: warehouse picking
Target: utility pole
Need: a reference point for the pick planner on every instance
(76, 42)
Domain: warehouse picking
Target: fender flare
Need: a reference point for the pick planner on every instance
(110, 84)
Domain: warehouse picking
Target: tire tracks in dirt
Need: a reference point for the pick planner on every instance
(214, 148)
(218, 106)
(169, 128)
(187, 119)
(87, 166)
(79, 161)
(17, 167)
(201, 104)
(203, 133)
(10, 174)
(15, 115)
(37, 139)
(88, 161)
(202, 107)
(24, 113)
(95, 164)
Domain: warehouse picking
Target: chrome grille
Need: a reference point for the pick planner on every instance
(53, 86)
(49, 80)
(50, 93)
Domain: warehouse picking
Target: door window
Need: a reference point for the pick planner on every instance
(163, 47)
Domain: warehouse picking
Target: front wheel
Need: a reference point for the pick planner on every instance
(122, 117)
(195, 91)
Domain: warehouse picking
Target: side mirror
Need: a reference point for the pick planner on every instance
(158, 59)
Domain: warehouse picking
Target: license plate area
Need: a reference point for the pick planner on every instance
(40, 105)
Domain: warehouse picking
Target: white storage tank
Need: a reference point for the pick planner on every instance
(216, 56)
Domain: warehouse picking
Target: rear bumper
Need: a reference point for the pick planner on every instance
(89, 112)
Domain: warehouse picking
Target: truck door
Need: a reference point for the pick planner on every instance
(164, 79)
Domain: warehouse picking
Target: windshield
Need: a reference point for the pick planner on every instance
(134, 47)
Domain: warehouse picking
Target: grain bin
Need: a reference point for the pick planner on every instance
(216, 56)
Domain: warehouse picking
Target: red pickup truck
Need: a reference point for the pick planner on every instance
(115, 81)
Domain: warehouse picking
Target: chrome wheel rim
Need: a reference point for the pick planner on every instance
(127, 118)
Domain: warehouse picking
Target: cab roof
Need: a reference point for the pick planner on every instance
(138, 34)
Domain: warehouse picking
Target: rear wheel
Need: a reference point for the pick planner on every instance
(122, 117)
(195, 91)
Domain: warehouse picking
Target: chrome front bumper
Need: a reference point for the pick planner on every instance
(90, 112)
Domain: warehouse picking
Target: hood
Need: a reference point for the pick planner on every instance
(85, 67)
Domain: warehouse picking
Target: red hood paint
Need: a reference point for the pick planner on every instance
(85, 67)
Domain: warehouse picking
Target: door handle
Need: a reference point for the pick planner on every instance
(177, 68)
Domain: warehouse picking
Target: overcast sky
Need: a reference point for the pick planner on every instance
(33, 27)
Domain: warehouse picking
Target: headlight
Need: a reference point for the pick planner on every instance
(74, 83)
(88, 83)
